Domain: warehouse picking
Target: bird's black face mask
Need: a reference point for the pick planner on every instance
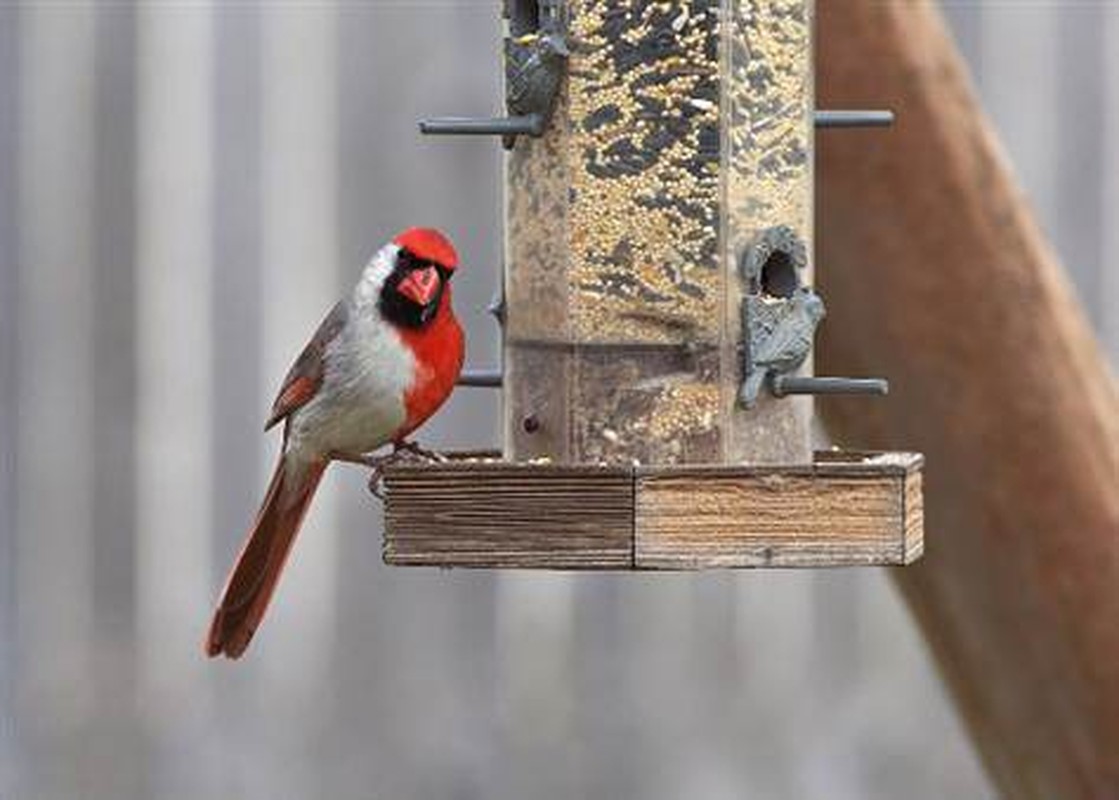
(412, 293)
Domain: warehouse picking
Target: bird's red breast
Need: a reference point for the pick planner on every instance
(438, 349)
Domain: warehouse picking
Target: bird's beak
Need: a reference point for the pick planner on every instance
(420, 286)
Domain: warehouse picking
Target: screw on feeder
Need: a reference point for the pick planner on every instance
(531, 423)
(854, 119)
(496, 309)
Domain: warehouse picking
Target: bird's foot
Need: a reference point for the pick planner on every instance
(421, 452)
(378, 463)
(400, 451)
(377, 480)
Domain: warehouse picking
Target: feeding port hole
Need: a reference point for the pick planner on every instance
(779, 275)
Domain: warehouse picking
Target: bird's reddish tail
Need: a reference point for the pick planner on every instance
(258, 567)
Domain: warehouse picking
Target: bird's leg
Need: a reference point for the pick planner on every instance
(361, 459)
(399, 451)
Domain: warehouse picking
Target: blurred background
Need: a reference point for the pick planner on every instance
(185, 188)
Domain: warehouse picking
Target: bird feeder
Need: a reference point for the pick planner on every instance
(658, 310)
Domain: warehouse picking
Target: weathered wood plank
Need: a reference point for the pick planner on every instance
(504, 515)
(864, 510)
(739, 519)
(914, 512)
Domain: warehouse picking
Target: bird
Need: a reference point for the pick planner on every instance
(787, 345)
(381, 363)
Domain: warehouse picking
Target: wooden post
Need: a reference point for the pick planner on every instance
(937, 275)
(678, 144)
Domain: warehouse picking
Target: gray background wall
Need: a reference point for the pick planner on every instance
(184, 189)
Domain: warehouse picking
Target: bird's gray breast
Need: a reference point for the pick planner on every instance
(360, 404)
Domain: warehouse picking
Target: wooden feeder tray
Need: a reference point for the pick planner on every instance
(847, 508)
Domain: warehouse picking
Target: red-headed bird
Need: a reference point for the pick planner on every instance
(381, 363)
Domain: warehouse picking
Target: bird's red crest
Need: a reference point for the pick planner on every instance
(428, 244)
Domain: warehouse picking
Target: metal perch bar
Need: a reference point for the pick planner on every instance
(483, 378)
(530, 125)
(782, 384)
(793, 384)
(533, 125)
(854, 119)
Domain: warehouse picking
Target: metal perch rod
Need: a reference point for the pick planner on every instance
(782, 384)
(486, 378)
(533, 124)
(792, 384)
(529, 125)
(854, 119)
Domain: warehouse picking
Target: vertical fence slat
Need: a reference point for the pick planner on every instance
(9, 394)
(299, 285)
(1078, 149)
(236, 470)
(114, 389)
(174, 328)
(534, 638)
(111, 439)
(1018, 82)
(54, 379)
(1109, 172)
(236, 473)
(774, 636)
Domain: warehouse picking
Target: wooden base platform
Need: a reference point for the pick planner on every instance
(845, 509)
